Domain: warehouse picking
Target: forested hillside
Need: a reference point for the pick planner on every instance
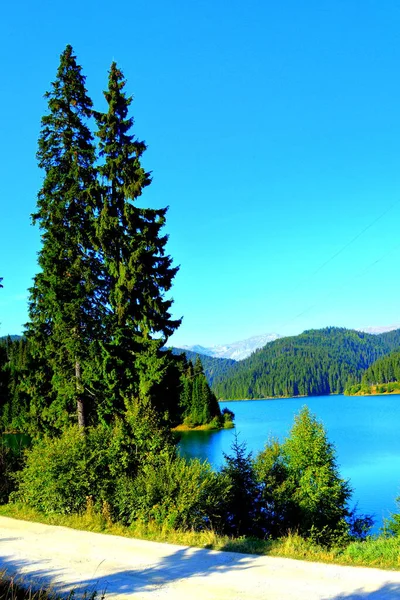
(383, 376)
(213, 367)
(316, 362)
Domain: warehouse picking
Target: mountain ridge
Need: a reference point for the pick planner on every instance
(316, 362)
(238, 350)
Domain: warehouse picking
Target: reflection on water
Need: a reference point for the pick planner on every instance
(364, 431)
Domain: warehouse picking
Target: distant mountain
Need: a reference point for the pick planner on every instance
(317, 362)
(213, 367)
(236, 350)
(13, 338)
(380, 328)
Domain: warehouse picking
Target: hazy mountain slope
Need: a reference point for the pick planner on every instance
(380, 328)
(213, 367)
(313, 363)
(236, 350)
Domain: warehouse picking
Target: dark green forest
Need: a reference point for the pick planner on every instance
(383, 374)
(317, 362)
(384, 370)
(213, 367)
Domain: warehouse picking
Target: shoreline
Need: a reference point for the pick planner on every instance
(206, 427)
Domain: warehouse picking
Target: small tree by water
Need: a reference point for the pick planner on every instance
(301, 485)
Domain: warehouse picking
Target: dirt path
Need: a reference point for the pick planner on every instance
(128, 568)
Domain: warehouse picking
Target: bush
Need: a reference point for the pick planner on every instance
(391, 526)
(61, 473)
(173, 493)
(228, 416)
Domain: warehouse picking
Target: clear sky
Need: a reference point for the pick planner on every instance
(273, 132)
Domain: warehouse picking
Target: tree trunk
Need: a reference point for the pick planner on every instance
(79, 400)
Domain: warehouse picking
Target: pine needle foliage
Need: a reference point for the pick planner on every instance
(138, 272)
(63, 310)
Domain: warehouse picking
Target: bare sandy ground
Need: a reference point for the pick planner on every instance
(128, 568)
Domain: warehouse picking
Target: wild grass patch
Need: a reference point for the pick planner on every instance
(380, 552)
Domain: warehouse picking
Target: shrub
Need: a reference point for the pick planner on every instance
(60, 473)
(174, 493)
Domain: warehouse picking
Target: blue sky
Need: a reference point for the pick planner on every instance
(273, 132)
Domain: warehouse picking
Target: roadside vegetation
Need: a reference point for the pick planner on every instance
(287, 501)
(16, 589)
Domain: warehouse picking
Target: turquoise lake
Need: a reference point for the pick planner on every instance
(364, 430)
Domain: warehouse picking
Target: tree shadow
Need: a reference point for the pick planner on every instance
(388, 591)
(146, 575)
(183, 563)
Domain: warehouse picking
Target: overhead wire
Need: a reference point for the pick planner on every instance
(331, 258)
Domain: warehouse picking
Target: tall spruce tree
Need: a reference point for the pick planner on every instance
(138, 272)
(65, 300)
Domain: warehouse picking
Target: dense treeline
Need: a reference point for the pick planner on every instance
(383, 375)
(317, 362)
(189, 398)
(213, 367)
(384, 370)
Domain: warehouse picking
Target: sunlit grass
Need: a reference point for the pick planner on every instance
(12, 588)
(381, 552)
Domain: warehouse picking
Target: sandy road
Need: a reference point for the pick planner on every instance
(128, 568)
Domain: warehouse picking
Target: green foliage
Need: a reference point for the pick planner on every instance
(228, 416)
(242, 508)
(391, 526)
(11, 461)
(98, 311)
(384, 373)
(174, 493)
(17, 366)
(214, 368)
(384, 370)
(62, 472)
(198, 403)
(316, 362)
(137, 271)
(302, 487)
(64, 316)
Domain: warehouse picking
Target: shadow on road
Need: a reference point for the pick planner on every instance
(389, 591)
(181, 564)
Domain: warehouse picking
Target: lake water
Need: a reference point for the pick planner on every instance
(364, 430)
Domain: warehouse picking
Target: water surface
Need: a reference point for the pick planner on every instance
(364, 430)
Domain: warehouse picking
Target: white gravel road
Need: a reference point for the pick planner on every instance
(128, 568)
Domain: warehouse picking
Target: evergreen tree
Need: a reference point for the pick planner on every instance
(65, 318)
(137, 272)
(243, 508)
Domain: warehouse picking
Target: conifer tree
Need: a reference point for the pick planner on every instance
(65, 307)
(137, 271)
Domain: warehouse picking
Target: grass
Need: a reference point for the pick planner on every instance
(15, 589)
(380, 552)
